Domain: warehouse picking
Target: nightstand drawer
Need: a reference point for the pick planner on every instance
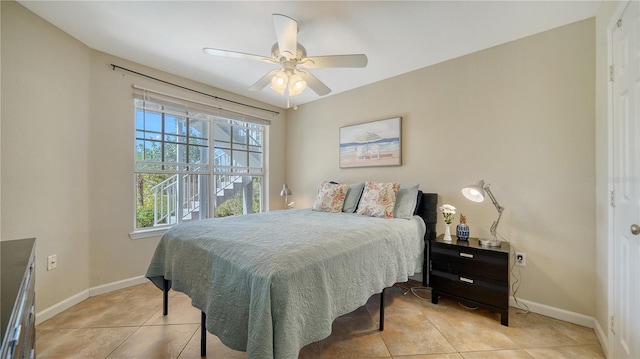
(478, 289)
(461, 260)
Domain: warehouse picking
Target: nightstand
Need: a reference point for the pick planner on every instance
(471, 273)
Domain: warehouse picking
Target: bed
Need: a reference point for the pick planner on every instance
(272, 282)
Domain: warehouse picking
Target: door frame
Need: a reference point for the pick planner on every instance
(611, 26)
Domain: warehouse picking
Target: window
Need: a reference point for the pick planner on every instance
(195, 162)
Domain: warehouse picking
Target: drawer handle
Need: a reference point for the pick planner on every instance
(466, 280)
(16, 333)
(466, 255)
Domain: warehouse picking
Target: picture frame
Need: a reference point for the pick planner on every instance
(371, 144)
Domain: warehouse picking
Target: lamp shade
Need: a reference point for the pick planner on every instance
(474, 192)
(296, 85)
(279, 82)
(285, 190)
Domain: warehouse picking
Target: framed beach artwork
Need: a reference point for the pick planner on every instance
(371, 144)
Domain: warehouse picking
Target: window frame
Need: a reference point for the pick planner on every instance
(213, 117)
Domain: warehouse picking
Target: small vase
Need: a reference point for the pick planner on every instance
(447, 233)
(462, 232)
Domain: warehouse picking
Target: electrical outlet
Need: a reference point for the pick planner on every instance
(521, 259)
(52, 262)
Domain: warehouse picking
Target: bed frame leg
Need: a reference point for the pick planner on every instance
(382, 309)
(203, 335)
(165, 296)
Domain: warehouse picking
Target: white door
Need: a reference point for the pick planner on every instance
(625, 323)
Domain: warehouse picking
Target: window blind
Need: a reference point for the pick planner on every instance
(182, 105)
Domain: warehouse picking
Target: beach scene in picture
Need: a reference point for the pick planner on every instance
(371, 144)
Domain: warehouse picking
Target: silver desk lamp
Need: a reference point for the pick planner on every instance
(475, 193)
(286, 192)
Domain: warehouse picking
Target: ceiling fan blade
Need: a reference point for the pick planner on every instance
(238, 55)
(316, 85)
(357, 60)
(287, 35)
(264, 81)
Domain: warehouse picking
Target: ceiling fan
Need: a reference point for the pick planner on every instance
(291, 55)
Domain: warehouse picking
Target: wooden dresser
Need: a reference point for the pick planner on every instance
(471, 273)
(17, 290)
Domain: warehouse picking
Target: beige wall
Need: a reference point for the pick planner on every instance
(520, 116)
(67, 155)
(45, 92)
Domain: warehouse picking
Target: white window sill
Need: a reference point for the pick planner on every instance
(146, 233)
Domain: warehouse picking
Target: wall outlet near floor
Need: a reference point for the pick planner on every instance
(52, 262)
(521, 259)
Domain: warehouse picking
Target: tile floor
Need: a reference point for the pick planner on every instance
(129, 324)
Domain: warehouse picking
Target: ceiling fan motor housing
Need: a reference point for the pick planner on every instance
(301, 53)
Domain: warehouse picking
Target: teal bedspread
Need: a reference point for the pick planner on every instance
(272, 282)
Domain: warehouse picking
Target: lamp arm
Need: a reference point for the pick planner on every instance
(494, 226)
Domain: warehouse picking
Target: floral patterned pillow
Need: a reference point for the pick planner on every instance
(378, 199)
(330, 197)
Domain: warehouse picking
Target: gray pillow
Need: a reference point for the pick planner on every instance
(405, 201)
(353, 197)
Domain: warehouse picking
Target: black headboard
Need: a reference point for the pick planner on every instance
(428, 211)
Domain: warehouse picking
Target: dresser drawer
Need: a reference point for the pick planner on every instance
(27, 339)
(461, 260)
(30, 329)
(477, 289)
(18, 307)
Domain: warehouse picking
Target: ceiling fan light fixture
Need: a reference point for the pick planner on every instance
(296, 85)
(279, 82)
(290, 54)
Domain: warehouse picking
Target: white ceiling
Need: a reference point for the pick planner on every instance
(396, 36)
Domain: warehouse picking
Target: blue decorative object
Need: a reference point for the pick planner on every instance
(462, 232)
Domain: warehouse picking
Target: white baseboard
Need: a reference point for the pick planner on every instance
(110, 287)
(61, 306)
(557, 313)
(567, 316)
(602, 337)
(91, 292)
